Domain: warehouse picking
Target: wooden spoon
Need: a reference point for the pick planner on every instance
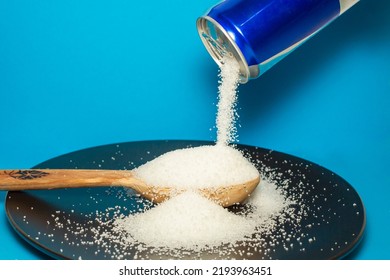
(38, 179)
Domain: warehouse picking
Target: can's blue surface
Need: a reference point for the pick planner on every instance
(265, 31)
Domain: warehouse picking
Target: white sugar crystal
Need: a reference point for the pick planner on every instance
(198, 167)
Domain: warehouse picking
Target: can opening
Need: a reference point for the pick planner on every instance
(219, 44)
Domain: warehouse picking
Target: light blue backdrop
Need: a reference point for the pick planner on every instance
(76, 74)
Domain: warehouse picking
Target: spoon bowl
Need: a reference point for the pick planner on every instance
(38, 179)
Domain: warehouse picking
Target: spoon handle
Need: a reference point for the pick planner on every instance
(35, 179)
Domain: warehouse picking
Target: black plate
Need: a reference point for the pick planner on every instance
(332, 226)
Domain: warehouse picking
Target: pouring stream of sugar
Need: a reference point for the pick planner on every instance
(219, 172)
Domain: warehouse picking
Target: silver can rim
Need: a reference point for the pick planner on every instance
(218, 50)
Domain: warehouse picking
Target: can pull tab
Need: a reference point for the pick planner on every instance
(216, 46)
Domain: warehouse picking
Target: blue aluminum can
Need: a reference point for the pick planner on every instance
(259, 33)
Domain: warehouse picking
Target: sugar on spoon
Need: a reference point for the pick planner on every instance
(219, 172)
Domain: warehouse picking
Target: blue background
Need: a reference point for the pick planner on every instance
(77, 74)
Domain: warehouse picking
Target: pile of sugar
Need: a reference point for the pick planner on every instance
(190, 225)
(191, 221)
(227, 98)
(198, 167)
(188, 221)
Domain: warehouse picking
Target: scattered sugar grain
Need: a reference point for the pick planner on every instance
(268, 200)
